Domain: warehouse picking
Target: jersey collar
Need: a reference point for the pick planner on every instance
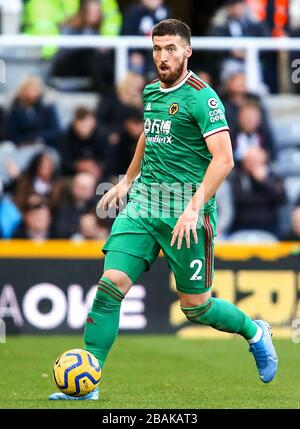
(173, 88)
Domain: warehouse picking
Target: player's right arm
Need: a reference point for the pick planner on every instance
(113, 198)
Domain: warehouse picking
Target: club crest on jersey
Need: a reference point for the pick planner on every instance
(173, 109)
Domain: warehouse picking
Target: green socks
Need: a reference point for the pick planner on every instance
(102, 323)
(222, 315)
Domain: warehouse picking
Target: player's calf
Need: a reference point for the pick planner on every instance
(222, 315)
(102, 323)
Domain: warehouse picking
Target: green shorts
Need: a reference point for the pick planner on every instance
(134, 238)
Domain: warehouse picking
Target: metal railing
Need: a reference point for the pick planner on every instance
(122, 44)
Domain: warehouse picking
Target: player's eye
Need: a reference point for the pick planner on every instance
(156, 49)
(171, 49)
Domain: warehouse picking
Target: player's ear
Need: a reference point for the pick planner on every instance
(188, 51)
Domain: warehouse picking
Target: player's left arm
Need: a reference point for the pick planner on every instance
(219, 145)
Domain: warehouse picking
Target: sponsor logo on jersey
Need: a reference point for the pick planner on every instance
(148, 107)
(157, 126)
(216, 115)
(213, 103)
(158, 139)
(173, 109)
(160, 127)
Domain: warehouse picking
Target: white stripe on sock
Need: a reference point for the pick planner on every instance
(257, 336)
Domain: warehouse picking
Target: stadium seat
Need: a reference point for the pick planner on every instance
(21, 157)
(287, 134)
(288, 162)
(67, 102)
(19, 64)
(284, 217)
(292, 188)
(70, 83)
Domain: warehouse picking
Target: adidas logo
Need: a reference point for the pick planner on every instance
(148, 107)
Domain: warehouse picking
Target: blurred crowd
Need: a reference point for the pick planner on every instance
(53, 172)
(230, 18)
(49, 172)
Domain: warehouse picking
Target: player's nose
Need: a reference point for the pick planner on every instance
(164, 56)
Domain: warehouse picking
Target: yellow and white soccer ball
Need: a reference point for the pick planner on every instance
(76, 372)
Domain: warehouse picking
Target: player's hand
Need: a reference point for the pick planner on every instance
(113, 198)
(185, 224)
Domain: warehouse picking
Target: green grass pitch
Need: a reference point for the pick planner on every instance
(153, 372)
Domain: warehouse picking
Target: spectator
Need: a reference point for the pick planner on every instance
(249, 131)
(97, 64)
(225, 210)
(139, 20)
(273, 13)
(39, 179)
(143, 15)
(37, 220)
(235, 95)
(121, 153)
(44, 18)
(83, 144)
(257, 193)
(114, 107)
(206, 76)
(294, 233)
(30, 119)
(235, 20)
(10, 215)
(72, 202)
(92, 228)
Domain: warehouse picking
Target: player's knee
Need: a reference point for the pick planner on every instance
(194, 300)
(197, 314)
(108, 297)
(190, 306)
(120, 279)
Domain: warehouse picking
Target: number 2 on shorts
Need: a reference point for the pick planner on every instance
(196, 276)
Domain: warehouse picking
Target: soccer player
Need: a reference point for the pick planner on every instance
(185, 149)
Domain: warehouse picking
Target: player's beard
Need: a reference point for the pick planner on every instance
(171, 76)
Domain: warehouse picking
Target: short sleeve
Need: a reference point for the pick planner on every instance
(144, 95)
(209, 113)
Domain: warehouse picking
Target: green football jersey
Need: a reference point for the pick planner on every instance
(176, 122)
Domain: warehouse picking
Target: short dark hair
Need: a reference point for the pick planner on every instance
(35, 202)
(172, 27)
(82, 112)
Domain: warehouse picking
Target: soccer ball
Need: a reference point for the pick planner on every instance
(76, 372)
